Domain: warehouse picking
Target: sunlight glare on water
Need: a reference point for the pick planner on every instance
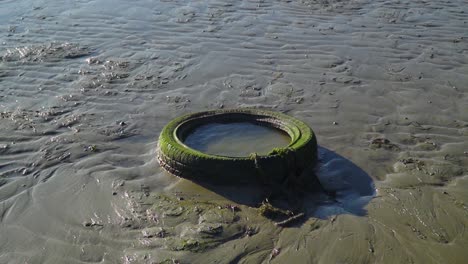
(86, 87)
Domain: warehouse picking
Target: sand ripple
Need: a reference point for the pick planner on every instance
(85, 88)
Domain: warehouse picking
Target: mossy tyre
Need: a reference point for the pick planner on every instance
(183, 161)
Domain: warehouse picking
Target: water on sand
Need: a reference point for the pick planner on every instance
(86, 86)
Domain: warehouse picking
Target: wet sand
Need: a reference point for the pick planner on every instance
(86, 87)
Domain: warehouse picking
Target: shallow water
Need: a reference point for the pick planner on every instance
(86, 87)
(236, 139)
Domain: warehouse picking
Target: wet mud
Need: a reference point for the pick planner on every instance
(86, 87)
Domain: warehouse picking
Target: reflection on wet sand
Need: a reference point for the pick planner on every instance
(86, 87)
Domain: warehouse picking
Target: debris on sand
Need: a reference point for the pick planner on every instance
(384, 144)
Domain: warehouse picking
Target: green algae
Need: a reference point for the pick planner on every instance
(191, 245)
(283, 152)
(190, 225)
(183, 161)
(269, 211)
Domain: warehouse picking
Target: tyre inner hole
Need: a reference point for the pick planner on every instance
(236, 139)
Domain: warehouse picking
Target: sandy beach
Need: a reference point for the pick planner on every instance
(86, 87)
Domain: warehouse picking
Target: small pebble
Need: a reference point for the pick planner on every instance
(275, 252)
(250, 232)
(335, 123)
(92, 148)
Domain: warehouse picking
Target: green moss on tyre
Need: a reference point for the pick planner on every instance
(183, 161)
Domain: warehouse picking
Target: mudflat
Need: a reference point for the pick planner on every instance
(86, 86)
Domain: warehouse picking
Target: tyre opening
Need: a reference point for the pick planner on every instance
(237, 146)
(236, 139)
